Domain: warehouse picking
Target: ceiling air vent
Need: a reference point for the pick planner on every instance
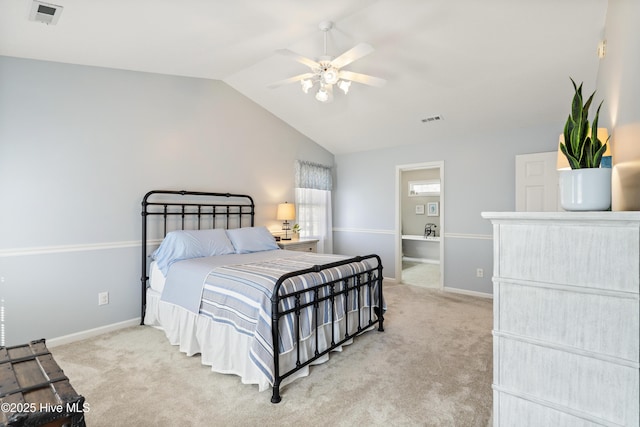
(432, 119)
(45, 12)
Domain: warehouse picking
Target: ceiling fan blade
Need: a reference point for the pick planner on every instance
(352, 54)
(291, 80)
(362, 78)
(301, 59)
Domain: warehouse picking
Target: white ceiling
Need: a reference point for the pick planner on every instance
(482, 65)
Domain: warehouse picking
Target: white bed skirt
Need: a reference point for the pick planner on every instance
(198, 334)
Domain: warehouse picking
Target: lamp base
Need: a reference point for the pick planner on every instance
(286, 228)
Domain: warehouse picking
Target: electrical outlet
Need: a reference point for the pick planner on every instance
(103, 298)
(479, 272)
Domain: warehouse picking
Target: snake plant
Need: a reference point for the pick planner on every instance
(581, 145)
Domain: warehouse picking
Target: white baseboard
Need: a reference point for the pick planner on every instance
(67, 339)
(466, 292)
(390, 281)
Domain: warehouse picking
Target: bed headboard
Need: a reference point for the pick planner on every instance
(165, 210)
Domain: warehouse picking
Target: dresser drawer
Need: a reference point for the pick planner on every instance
(299, 245)
(566, 318)
(602, 256)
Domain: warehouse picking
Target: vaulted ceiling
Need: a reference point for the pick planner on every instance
(481, 65)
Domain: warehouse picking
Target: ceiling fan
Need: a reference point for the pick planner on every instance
(328, 71)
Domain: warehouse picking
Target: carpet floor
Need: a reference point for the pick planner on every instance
(421, 274)
(431, 367)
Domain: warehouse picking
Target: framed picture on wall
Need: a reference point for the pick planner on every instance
(419, 209)
(432, 209)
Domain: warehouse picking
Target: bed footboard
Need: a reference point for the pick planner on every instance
(356, 294)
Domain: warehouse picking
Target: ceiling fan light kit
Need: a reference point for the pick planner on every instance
(325, 93)
(344, 86)
(327, 71)
(306, 85)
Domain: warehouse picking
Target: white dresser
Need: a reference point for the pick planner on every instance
(566, 318)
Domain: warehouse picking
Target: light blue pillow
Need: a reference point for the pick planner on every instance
(186, 244)
(252, 239)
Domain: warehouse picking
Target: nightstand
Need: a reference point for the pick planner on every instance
(302, 245)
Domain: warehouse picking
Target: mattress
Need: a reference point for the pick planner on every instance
(156, 278)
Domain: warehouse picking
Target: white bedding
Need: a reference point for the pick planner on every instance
(156, 278)
(220, 346)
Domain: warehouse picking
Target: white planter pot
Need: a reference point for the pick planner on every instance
(585, 189)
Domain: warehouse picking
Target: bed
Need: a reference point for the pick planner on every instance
(221, 287)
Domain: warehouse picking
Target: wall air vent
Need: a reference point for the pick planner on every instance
(45, 12)
(432, 119)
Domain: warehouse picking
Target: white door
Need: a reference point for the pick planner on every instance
(537, 182)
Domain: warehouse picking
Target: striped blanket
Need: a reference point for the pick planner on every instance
(240, 295)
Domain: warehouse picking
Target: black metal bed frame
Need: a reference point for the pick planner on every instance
(242, 209)
(324, 293)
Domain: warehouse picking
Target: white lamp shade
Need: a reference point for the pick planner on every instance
(286, 211)
(344, 85)
(322, 95)
(306, 85)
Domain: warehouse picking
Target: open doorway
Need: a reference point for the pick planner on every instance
(420, 224)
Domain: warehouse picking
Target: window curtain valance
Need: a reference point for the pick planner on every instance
(313, 176)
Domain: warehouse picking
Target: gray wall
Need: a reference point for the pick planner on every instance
(479, 176)
(480, 170)
(80, 146)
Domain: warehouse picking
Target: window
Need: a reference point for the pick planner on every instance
(429, 187)
(313, 203)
